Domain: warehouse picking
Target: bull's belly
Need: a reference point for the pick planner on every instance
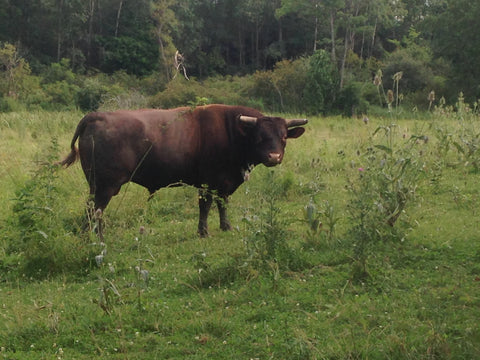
(221, 182)
(158, 181)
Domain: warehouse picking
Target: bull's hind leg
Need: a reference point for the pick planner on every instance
(222, 211)
(101, 197)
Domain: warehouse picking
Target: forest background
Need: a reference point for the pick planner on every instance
(332, 56)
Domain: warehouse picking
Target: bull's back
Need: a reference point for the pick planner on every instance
(151, 147)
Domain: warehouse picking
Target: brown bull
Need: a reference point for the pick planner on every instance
(210, 147)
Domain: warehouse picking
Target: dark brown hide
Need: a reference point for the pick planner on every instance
(210, 147)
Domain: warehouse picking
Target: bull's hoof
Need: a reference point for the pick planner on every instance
(202, 232)
(225, 226)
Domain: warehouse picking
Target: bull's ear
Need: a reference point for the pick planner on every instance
(295, 132)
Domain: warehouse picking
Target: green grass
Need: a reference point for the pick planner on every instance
(271, 288)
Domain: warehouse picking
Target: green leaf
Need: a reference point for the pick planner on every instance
(459, 147)
(384, 148)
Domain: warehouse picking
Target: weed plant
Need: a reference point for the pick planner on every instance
(386, 180)
(39, 233)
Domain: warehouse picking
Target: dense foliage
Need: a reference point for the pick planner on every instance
(151, 42)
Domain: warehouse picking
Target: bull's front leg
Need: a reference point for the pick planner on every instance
(222, 211)
(204, 204)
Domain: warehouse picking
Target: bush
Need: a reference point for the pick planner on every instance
(222, 90)
(8, 104)
(60, 71)
(414, 61)
(89, 96)
(282, 88)
(179, 92)
(264, 89)
(351, 100)
(231, 90)
(416, 75)
(60, 95)
(321, 84)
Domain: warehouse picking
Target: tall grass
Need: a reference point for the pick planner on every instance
(315, 267)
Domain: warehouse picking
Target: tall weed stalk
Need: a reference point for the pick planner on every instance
(38, 235)
(268, 237)
(384, 184)
(463, 135)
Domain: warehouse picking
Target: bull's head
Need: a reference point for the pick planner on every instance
(268, 137)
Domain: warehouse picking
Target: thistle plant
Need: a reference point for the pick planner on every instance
(464, 138)
(143, 274)
(377, 81)
(321, 220)
(35, 217)
(391, 97)
(380, 191)
(431, 99)
(396, 82)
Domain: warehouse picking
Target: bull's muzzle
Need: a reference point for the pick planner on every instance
(274, 159)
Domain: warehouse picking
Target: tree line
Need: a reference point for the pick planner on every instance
(421, 46)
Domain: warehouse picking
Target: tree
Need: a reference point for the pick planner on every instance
(165, 20)
(322, 83)
(454, 38)
(13, 71)
(305, 8)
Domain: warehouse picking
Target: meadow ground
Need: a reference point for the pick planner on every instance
(363, 244)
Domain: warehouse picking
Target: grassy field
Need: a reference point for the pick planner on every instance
(363, 244)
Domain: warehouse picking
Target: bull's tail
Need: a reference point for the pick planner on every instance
(73, 155)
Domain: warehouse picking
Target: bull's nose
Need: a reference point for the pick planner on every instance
(274, 158)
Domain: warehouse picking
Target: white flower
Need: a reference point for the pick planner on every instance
(99, 259)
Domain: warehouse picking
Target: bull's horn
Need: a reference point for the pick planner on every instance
(248, 119)
(296, 122)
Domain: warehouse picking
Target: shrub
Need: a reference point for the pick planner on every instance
(230, 90)
(90, 95)
(60, 95)
(414, 61)
(351, 100)
(416, 75)
(179, 92)
(264, 89)
(8, 104)
(60, 71)
(222, 90)
(15, 70)
(282, 88)
(321, 84)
